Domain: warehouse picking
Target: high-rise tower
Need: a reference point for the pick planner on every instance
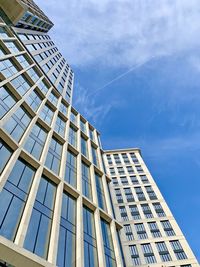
(56, 205)
(150, 235)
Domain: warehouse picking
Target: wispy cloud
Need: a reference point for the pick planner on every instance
(123, 32)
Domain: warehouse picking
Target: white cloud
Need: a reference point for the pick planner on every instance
(123, 32)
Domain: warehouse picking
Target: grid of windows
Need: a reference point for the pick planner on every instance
(46, 114)
(21, 84)
(34, 100)
(7, 68)
(60, 126)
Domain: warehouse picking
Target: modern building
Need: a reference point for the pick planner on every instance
(57, 201)
(150, 235)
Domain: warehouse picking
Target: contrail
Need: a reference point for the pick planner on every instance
(120, 76)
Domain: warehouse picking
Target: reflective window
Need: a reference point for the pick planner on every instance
(92, 135)
(95, 159)
(84, 148)
(67, 235)
(23, 61)
(13, 198)
(54, 156)
(90, 244)
(63, 109)
(60, 126)
(39, 229)
(43, 87)
(17, 124)
(21, 84)
(73, 117)
(86, 181)
(7, 68)
(53, 99)
(128, 232)
(11, 45)
(71, 169)
(5, 153)
(33, 74)
(83, 126)
(34, 100)
(72, 137)
(36, 140)
(7, 101)
(108, 244)
(46, 114)
(100, 192)
(3, 33)
(178, 250)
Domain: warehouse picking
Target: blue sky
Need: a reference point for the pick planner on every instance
(137, 80)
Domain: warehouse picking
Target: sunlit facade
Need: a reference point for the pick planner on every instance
(57, 200)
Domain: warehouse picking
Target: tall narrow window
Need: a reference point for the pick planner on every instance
(100, 192)
(17, 124)
(60, 126)
(53, 159)
(46, 114)
(118, 195)
(123, 213)
(129, 194)
(148, 253)
(13, 198)
(135, 212)
(84, 148)
(135, 255)
(86, 181)
(72, 137)
(91, 135)
(5, 153)
(34, 100)
(73, 117)
(67, 236)
(90, 244)
(108, 244)
(71, 169)
(95, 160)
(128, 232)
(39, 229)
(36, 140)
(83, 126)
